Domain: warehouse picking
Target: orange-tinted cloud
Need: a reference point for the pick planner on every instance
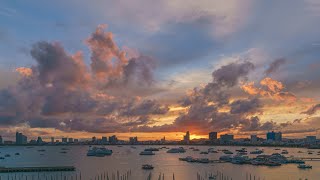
(24, 71)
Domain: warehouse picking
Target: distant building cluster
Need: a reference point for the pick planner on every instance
(271, 138)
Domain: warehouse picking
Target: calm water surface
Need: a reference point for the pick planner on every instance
(126, 158)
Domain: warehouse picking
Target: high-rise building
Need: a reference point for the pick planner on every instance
(113, 139)
(213, 136)
(64, 140)
(21, 139)
(52, 140)
(133, 140)
(1, 140)
(70, 140)
(311, 139)
(254, 138)
(104, 140)
(163, 140)
(186, 138)
(274, 136)
(226, 138)
(94, 139)
(39, 140)
(76, 140)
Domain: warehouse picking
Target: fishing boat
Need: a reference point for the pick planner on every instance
(304, 166)
(147, 166)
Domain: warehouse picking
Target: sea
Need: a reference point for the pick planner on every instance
(126, 163)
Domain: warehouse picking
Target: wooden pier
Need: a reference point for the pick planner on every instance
(36, 169)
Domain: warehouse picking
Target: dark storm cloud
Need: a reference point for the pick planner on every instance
(144, 108)
(230, 74)
(246, 106)
(274, 66)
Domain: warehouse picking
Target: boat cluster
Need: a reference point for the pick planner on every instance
(195, 160)
(99, 151)
(275, 159)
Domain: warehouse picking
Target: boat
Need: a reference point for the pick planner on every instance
(1, 157)
(41, 150)
(272, 163)
(147, 153)
(284, 152)
(226, 158)
(147, 167)
(188, 159)
(17, 154)
(277, 149)
(227, 152)
(239, 159)
(7, 155)
(304, 166)
(151, 149)
(257, 151)
(176, 150)
(63, 152)
(300, 152)
(203, 160)
(196, 149)
(310, 153)
(99, 151)
(64, 149)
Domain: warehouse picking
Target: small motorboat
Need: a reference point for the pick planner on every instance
(7, 155)
(63, 152)
(147, 166)
(17, 154)
(304, 166)
(1, 157)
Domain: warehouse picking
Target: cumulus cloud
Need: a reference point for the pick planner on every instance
(60, 91)
(270, 88)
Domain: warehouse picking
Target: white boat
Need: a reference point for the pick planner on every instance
(147, 153)
(147, 166)
(99, 151)
(177, 150)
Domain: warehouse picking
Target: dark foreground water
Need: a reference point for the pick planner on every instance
(126, 158)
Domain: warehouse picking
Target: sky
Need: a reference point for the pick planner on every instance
(150, 69)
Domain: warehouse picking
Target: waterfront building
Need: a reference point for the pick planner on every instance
(254, 138)
(226, 138)
(274, 136)
(113, 139)
(133, 140)
(64, 140)
(311, 139)
(213, 136)
(186, 138)
(21, 139)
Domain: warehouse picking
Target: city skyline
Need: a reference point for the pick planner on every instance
(126, 70)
